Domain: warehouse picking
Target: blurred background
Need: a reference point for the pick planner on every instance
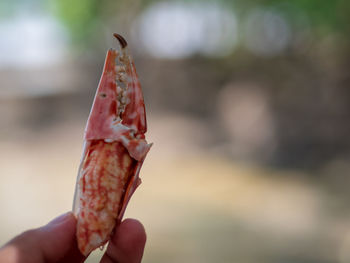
(248, 106)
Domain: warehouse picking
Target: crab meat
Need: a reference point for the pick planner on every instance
(114, 150)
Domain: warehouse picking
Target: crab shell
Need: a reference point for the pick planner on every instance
(114, 150)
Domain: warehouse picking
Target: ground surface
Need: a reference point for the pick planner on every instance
(197, 206)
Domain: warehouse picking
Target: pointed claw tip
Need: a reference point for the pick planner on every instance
(121, 40)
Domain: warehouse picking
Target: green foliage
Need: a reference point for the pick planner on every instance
(79, 16)
(6, 8)
(323, 15)
(83, 18)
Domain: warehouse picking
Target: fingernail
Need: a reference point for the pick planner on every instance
(60, 219)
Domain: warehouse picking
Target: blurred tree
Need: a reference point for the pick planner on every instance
(83, 17)
(79, 16)
(88, 20)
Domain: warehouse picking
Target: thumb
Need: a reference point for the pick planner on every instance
(53, 242)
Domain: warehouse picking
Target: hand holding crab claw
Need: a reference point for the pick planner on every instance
(114, 150)
(56, 242)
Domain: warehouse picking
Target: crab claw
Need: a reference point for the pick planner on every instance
(134, 114)
(114, 151)
(118, 111)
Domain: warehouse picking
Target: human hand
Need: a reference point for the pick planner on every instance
(56, 242)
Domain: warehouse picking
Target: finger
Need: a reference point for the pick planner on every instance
(58, 240)
(127, 243)
(54, 242)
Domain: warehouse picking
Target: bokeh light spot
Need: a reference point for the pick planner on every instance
(178, 30)
(31, 41)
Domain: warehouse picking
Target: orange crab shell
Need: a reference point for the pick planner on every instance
(104, 115)
(115, 148)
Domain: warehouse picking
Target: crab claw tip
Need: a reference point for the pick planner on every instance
(121, 40)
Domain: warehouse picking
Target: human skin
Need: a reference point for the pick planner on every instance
(56, 242)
